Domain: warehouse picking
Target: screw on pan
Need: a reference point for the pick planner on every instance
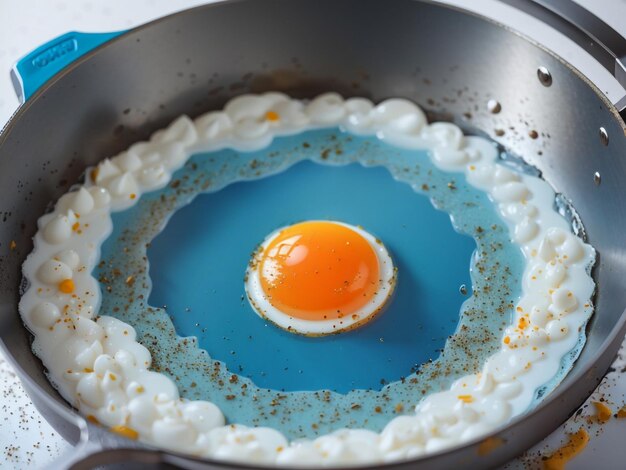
(604, 136)
(544, 75)
(597, 178)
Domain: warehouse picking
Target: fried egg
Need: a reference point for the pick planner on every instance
(320, 277)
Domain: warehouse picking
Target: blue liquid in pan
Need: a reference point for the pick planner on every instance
(214, 236)
(259, 374)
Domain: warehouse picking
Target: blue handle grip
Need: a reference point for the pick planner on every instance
(36, 68)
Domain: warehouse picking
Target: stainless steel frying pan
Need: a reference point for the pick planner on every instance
(445, 59)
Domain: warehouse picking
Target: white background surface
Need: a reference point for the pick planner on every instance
(25, 438)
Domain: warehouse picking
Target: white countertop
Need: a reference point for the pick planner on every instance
(26, 440)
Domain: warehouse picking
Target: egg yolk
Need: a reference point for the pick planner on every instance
(319, 270)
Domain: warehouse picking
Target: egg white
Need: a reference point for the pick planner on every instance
(262, 306)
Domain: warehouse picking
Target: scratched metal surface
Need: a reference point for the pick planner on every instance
(26, 440)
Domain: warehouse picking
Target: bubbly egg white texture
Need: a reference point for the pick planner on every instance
(264, 308)
(99, 367)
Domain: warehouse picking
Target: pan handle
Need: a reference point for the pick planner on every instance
(601, 41)
(37, 67)
(91, 453)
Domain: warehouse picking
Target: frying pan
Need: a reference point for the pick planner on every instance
(443, 58)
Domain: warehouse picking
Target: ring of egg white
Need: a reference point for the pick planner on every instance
(97, 364)
(263, 307)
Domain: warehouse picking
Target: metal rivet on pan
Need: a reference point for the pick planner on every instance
(463, 289)
(494, 106)
(597, 178)
(545, 77)
(604, 136)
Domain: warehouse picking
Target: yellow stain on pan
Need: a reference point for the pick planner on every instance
(603, 412)
(574, 446)
(489, 445)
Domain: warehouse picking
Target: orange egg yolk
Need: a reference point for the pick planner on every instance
(319, 271)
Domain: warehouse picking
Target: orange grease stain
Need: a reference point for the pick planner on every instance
(67, 286)
(272, 116)
(489, 445)
(603, 412)
(574, 446)
(125, 431)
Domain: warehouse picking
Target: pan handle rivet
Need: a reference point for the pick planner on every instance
(597, 178)
(544, 75)
(604, 136)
